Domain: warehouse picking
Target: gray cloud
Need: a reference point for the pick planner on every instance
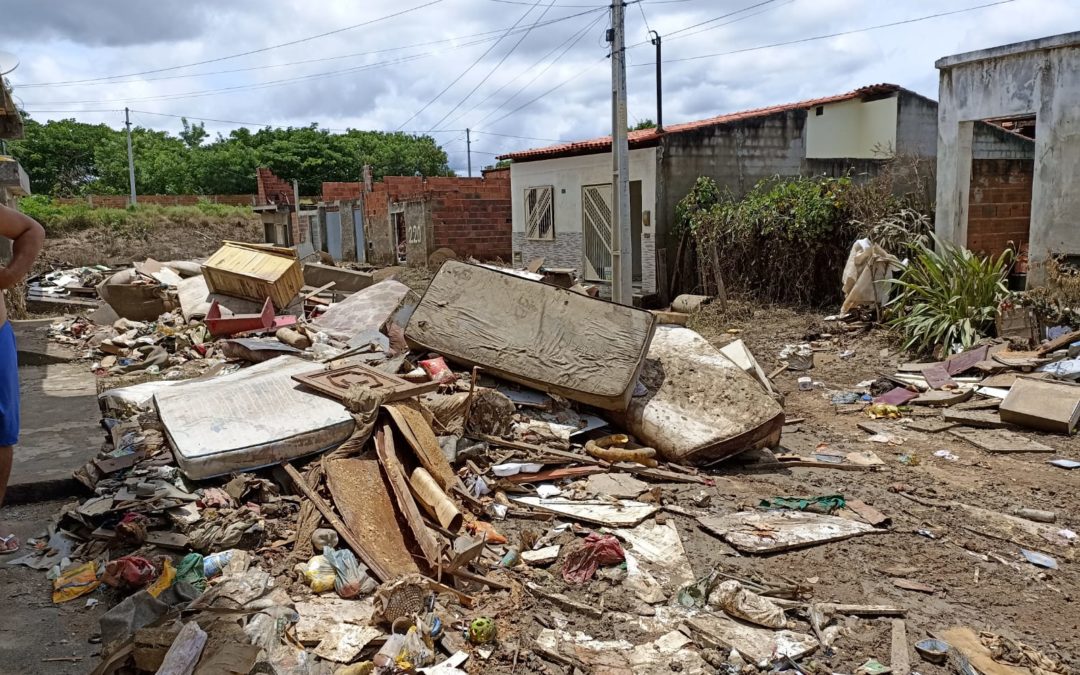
(65, 40)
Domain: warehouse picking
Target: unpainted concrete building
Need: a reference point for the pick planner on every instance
(562, 193)
(1024, 195)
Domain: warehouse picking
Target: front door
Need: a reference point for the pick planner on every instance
(596, 228)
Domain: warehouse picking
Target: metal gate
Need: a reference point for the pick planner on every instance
(358, 225)
(596, 226)
(332, 243)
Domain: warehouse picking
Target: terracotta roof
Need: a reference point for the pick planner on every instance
(647, 137)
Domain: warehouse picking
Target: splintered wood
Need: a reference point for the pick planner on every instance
(361, 495)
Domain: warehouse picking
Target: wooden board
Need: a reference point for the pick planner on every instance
(336, 382)
(1061, 342)
(965, 641)
(772, 531)
(759, 646)
(418, 434)
(931, 425)
(545, 337)
(1043, 404)
(943, 398)
(999, 440)
(362, 497)
(974, 418)
(936, 376)
(957, 364)
(395, 472)
(621, 513)
(866, 512)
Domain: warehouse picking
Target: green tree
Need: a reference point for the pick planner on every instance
(59, 156)
(644, 124)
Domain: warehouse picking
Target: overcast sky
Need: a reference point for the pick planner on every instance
(397, 67)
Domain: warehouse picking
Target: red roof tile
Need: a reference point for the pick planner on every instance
(646, 137)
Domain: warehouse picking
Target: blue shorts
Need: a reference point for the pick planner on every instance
(9, 387)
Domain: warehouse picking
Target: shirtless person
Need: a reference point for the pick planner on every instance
(26, 236)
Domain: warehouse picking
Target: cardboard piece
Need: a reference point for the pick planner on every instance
(254, 272)
(1043, 404)
(545, 337)
(699, 406)
(771, 531)
(252, 418)
(344, 280)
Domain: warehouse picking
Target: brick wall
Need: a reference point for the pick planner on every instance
(272, 190)
(121, 201)
(999, 205)
(472, 216)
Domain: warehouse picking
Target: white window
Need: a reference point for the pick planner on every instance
(540, 212)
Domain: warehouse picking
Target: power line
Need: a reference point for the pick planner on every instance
(477, 38)
(558, 86)
(524, 138)
(501, 61)
(644, 18)
(575, 37)
(569, 44)
(832, 35)
(247, 53)
(469, 69)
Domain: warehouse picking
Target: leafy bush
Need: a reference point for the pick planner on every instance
(60, 219)
(785, 241)
(948, 296)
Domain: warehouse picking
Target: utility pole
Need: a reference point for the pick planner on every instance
(468, 150)
(131, 157)
(659, 87)
(622, 247)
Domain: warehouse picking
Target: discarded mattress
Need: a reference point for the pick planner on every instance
(366, 310)
(699, 407)
(546, 337)
(248, 419)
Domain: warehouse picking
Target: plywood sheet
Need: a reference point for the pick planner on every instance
(999, 440)
(549, 338)
(1043, 404)
(771, 531)
(620, 513)
(363, 311)
(417, 432)
(336, 382)
(252, 418)
(362, 497)
(700, 407)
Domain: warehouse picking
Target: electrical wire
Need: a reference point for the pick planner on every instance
(832, 35)
(499, 64)
(524, 138)
(575, 37)
(476, 38)
(247, 53)
(469, 69)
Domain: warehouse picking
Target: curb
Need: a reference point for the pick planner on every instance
(41, 491)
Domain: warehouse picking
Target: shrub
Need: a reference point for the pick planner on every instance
(947, 296)
(61, 219)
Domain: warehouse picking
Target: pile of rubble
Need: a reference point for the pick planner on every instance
(494, 477)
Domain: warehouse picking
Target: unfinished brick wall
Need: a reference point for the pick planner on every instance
(999, 205)
(472, 216)
(272, 190)
(121, 201)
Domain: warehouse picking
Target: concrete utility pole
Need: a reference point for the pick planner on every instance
(131, 158)
(622, 246)
(468, 150)
(659, 87)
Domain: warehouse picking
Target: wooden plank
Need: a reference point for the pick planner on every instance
(373, 563)
(622, 513)
(556, 474)
(999, 440)
(584, 349)
(965, 641)
(772, 531)
(361, 495)
(417, 433)
(395, 472)
(943, 398)
(1061, 342)
(900, 655)
(866, 512)
(974, 418)
(957, 364)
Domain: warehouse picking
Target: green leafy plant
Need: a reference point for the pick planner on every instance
(947, 296)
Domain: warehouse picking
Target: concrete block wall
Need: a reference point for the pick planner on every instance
(999, 204)
(563, 251)
(992, 142)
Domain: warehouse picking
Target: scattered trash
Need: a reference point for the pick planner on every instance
(482, 631)
(594, 552)
(945, 454)
(1039, 559)
(747, 605)
(934, 651)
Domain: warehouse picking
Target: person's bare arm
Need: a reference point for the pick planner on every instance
(27, 237)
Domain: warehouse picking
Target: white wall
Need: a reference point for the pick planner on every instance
(852, 129)
(568, 175)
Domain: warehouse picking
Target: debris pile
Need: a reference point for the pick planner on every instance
(498, 476)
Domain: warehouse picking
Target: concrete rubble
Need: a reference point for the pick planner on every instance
(467, 480)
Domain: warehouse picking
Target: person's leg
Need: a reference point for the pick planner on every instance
(9, 418)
